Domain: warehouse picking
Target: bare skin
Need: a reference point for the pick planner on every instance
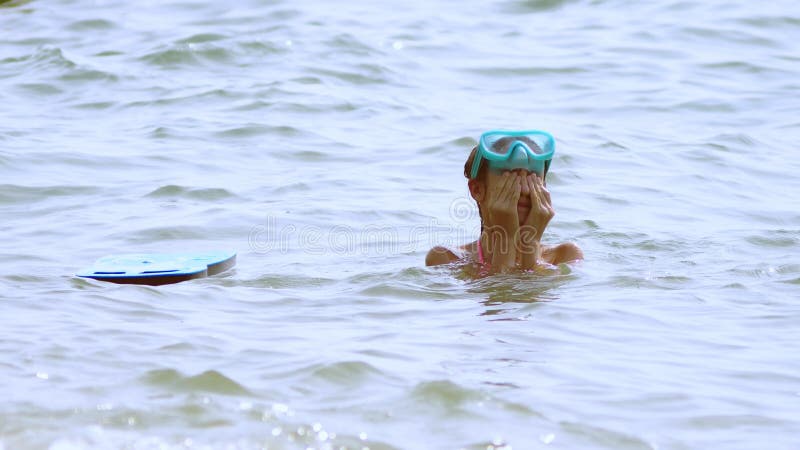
(515, 210)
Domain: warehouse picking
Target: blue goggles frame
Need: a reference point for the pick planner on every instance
(531, 150)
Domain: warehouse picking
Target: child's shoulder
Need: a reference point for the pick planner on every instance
(565, 252)
(443, 255)
(440, 255)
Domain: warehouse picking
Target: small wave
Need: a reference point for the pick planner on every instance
(202, 38)
(11, 193)
(311, 156)
(171, 57)
(174, 191)
(109, 53)
(40, 89)
(12, 4)
(47, 59)
(777, 239)
(263, 48)
(772, 23)
(346, 372)
(291, 188)
(187, 55)
(727, 37)
(253, 130)
(750, 272)
(288, 281)
(222, 95)
(446, 394)
(347, 43)
(731, 420)
(393, 290)
(99, 106)
(208, 381)
(519, 288)
(535, 6)
(215, 54)
(608, 438)
(80, 74)
(706, 105)
(43, 57)
(26, 280)
(151, 235)
(185, 347)
(525, 71)
(737, 66)
(254, 105)
(733, 139)
(365, 74)
(446, 147)
(410, 283)
(314, 108)
(91, 25)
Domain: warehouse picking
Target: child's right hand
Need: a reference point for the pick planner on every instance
(502, 223)
(502, 201)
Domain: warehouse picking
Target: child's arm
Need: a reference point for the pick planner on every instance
(503, 250)
(530, 248)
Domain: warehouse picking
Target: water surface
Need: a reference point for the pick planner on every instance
(325, 145)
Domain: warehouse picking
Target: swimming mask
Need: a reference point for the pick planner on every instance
(508, 150)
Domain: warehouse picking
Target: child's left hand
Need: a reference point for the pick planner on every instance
(540, 214)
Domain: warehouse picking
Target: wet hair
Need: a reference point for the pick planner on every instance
(482, 169)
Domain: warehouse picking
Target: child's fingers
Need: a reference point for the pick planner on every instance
(505, 186)
(517, 191)
(499, 188)
(543, 192)
(535, 200)
(509, 187)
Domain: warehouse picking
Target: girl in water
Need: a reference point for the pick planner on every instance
(506, 173)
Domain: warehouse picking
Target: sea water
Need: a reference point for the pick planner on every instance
(324, 143)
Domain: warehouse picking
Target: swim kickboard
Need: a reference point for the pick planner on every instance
(159, 268)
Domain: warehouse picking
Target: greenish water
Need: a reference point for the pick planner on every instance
(325, 144)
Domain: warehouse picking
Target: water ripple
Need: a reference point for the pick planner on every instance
(15, 194)
(172, 191)
(446, 394)
(536, 6)
(185, 125)
(347, 373)
(257, 130)
(208, 381)
(173, 57)
(91, 25)
(362, 74)
(201, 38)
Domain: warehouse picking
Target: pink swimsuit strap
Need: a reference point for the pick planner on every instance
(480, 253)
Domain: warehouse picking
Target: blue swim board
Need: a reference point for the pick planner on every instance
(159, 268)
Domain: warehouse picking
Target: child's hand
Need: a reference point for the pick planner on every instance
(541, 211)
(502, 202)
(532, 229)
(502, 223)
